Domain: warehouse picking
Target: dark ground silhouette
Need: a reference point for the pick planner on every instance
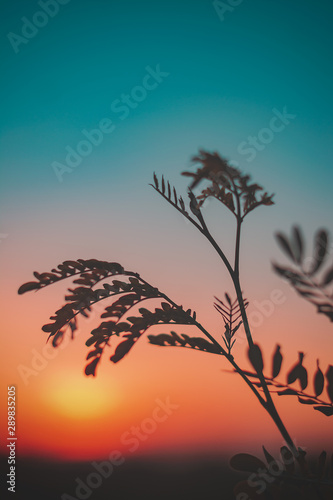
(154, 478)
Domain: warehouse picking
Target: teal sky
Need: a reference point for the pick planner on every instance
(225, 78)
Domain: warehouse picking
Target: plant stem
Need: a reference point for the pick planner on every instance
(238, 229)
(271, 409)
(237, 247)
(214, 341)
(268, 404)
(240, 299)
(234, 364)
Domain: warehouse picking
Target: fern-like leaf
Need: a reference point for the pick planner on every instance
(315, 283)
(125, 297)
(231, 313)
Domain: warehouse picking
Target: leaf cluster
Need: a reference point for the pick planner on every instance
(173, 339)
(227, 184)
(313, 281)
(125, 297)
(297, 373)
(231, 313)
(284, 477)
(89, 270)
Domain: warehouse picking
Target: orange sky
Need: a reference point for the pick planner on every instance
(64, 414)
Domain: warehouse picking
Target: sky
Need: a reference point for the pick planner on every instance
(149, 84)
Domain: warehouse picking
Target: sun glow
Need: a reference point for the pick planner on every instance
(78, 397)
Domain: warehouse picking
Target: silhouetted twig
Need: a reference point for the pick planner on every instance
(125, 318)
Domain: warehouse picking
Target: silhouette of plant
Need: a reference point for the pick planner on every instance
(308, 276)
(299, 373)
(125, 316)
(230, 313)
(284, 477)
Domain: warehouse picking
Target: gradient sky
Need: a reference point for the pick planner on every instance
(225, 79)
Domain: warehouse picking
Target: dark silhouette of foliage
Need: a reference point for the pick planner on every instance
(128, 294)
(227, 184)
(255, 357)
(126, 317)
(319, 380)
(230, 312)
(173, 339)
(313, 281)
(284, 477)
(297, 373)
(90, 271)
(277, 362)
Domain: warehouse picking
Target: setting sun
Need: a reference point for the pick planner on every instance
(76, 396)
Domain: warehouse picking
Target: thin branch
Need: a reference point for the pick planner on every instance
(212, 339)
(300, 393)
(268, 404)
(183, 212)
(238, 229)
(204, 230)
